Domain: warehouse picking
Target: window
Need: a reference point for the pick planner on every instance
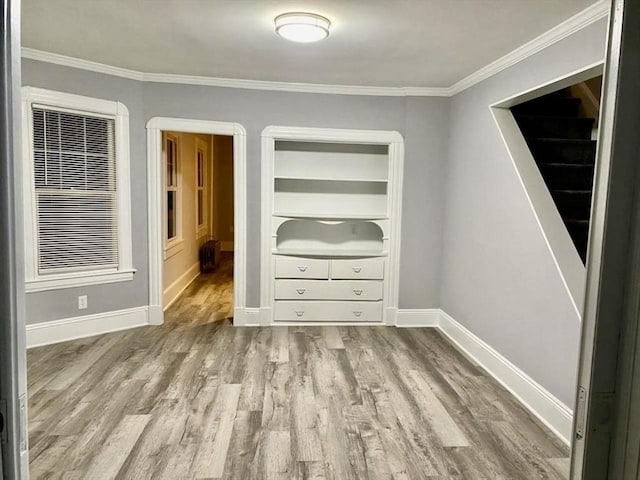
(77, 207)
(201, 189)
(173, 205)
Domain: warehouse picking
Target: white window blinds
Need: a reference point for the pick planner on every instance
(75, 189)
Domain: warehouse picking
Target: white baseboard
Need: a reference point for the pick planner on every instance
(265, 316)
(56, 331)
(173, 291)
(429, 317)
(249, 317)
(226, 246)
(156, 315)
(246, 317)
(548, 409)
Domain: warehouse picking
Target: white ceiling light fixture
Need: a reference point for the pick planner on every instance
(302, 27)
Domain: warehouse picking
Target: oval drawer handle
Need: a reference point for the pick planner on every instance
(357, 313)
(299, 313)
(302, 268)
(357, 269)
(301, 290)
(357, 291)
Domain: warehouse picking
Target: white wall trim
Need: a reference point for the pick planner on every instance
(548, 409)
(429, 317)
(556, 236)
(57, 59)
(73, 62)
(124, 271)
(155, 189)
(581, 20)
(173, 291)
(246, 317)
(56, 331)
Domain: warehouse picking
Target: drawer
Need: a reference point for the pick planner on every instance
(328, 311)
(328, 290)
(299, 267)
(368, 268)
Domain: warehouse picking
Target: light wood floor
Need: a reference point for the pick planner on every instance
(198, 398)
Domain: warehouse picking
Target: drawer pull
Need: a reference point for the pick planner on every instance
(357, 269)
(357, 291)
(299, 313)
(357, 313)
(302, 268)
(301, 290)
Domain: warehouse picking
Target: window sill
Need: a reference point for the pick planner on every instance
(71, 280)
(173, 248)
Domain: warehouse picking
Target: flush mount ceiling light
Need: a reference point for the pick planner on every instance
(302, 27)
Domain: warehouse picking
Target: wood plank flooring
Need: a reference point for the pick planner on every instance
(197, 398)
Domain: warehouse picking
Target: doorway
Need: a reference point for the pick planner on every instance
(199, 223)
(165, 225)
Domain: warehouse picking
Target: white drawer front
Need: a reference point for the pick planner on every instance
(298, 267)
(325, 290)
(328, 311)
(369, 269)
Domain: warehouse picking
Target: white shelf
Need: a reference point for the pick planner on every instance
(330, 199)
(339, 217)
(329, 252)
(308, 235)
(333, 161)
(330, 179)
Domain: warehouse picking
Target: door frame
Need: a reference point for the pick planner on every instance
(606, 428)
(14, 461)
(155, 186)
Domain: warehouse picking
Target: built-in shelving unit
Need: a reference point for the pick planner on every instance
(330, 219)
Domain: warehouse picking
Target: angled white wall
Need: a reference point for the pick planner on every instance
(499, 279)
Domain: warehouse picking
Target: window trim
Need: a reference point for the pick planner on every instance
(34, 281)
(202, 229)
(176, 244)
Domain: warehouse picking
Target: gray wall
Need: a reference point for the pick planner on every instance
(498, 276)
(423, 122)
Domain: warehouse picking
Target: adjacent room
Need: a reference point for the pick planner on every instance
(199, 221)
(273, 240)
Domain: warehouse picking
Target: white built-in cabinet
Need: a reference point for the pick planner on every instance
(331, 205)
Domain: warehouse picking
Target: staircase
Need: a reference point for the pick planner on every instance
(560, 141)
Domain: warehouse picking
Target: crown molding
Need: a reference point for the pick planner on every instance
(581, 20)
(298, 87)
(55, 58)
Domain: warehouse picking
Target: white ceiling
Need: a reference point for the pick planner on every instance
(386, 43)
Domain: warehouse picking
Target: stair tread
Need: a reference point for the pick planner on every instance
(575, 221)
(570, 165)
(577, 141)
(571, 191)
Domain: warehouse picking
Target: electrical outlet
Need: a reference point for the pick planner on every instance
(82, 302)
